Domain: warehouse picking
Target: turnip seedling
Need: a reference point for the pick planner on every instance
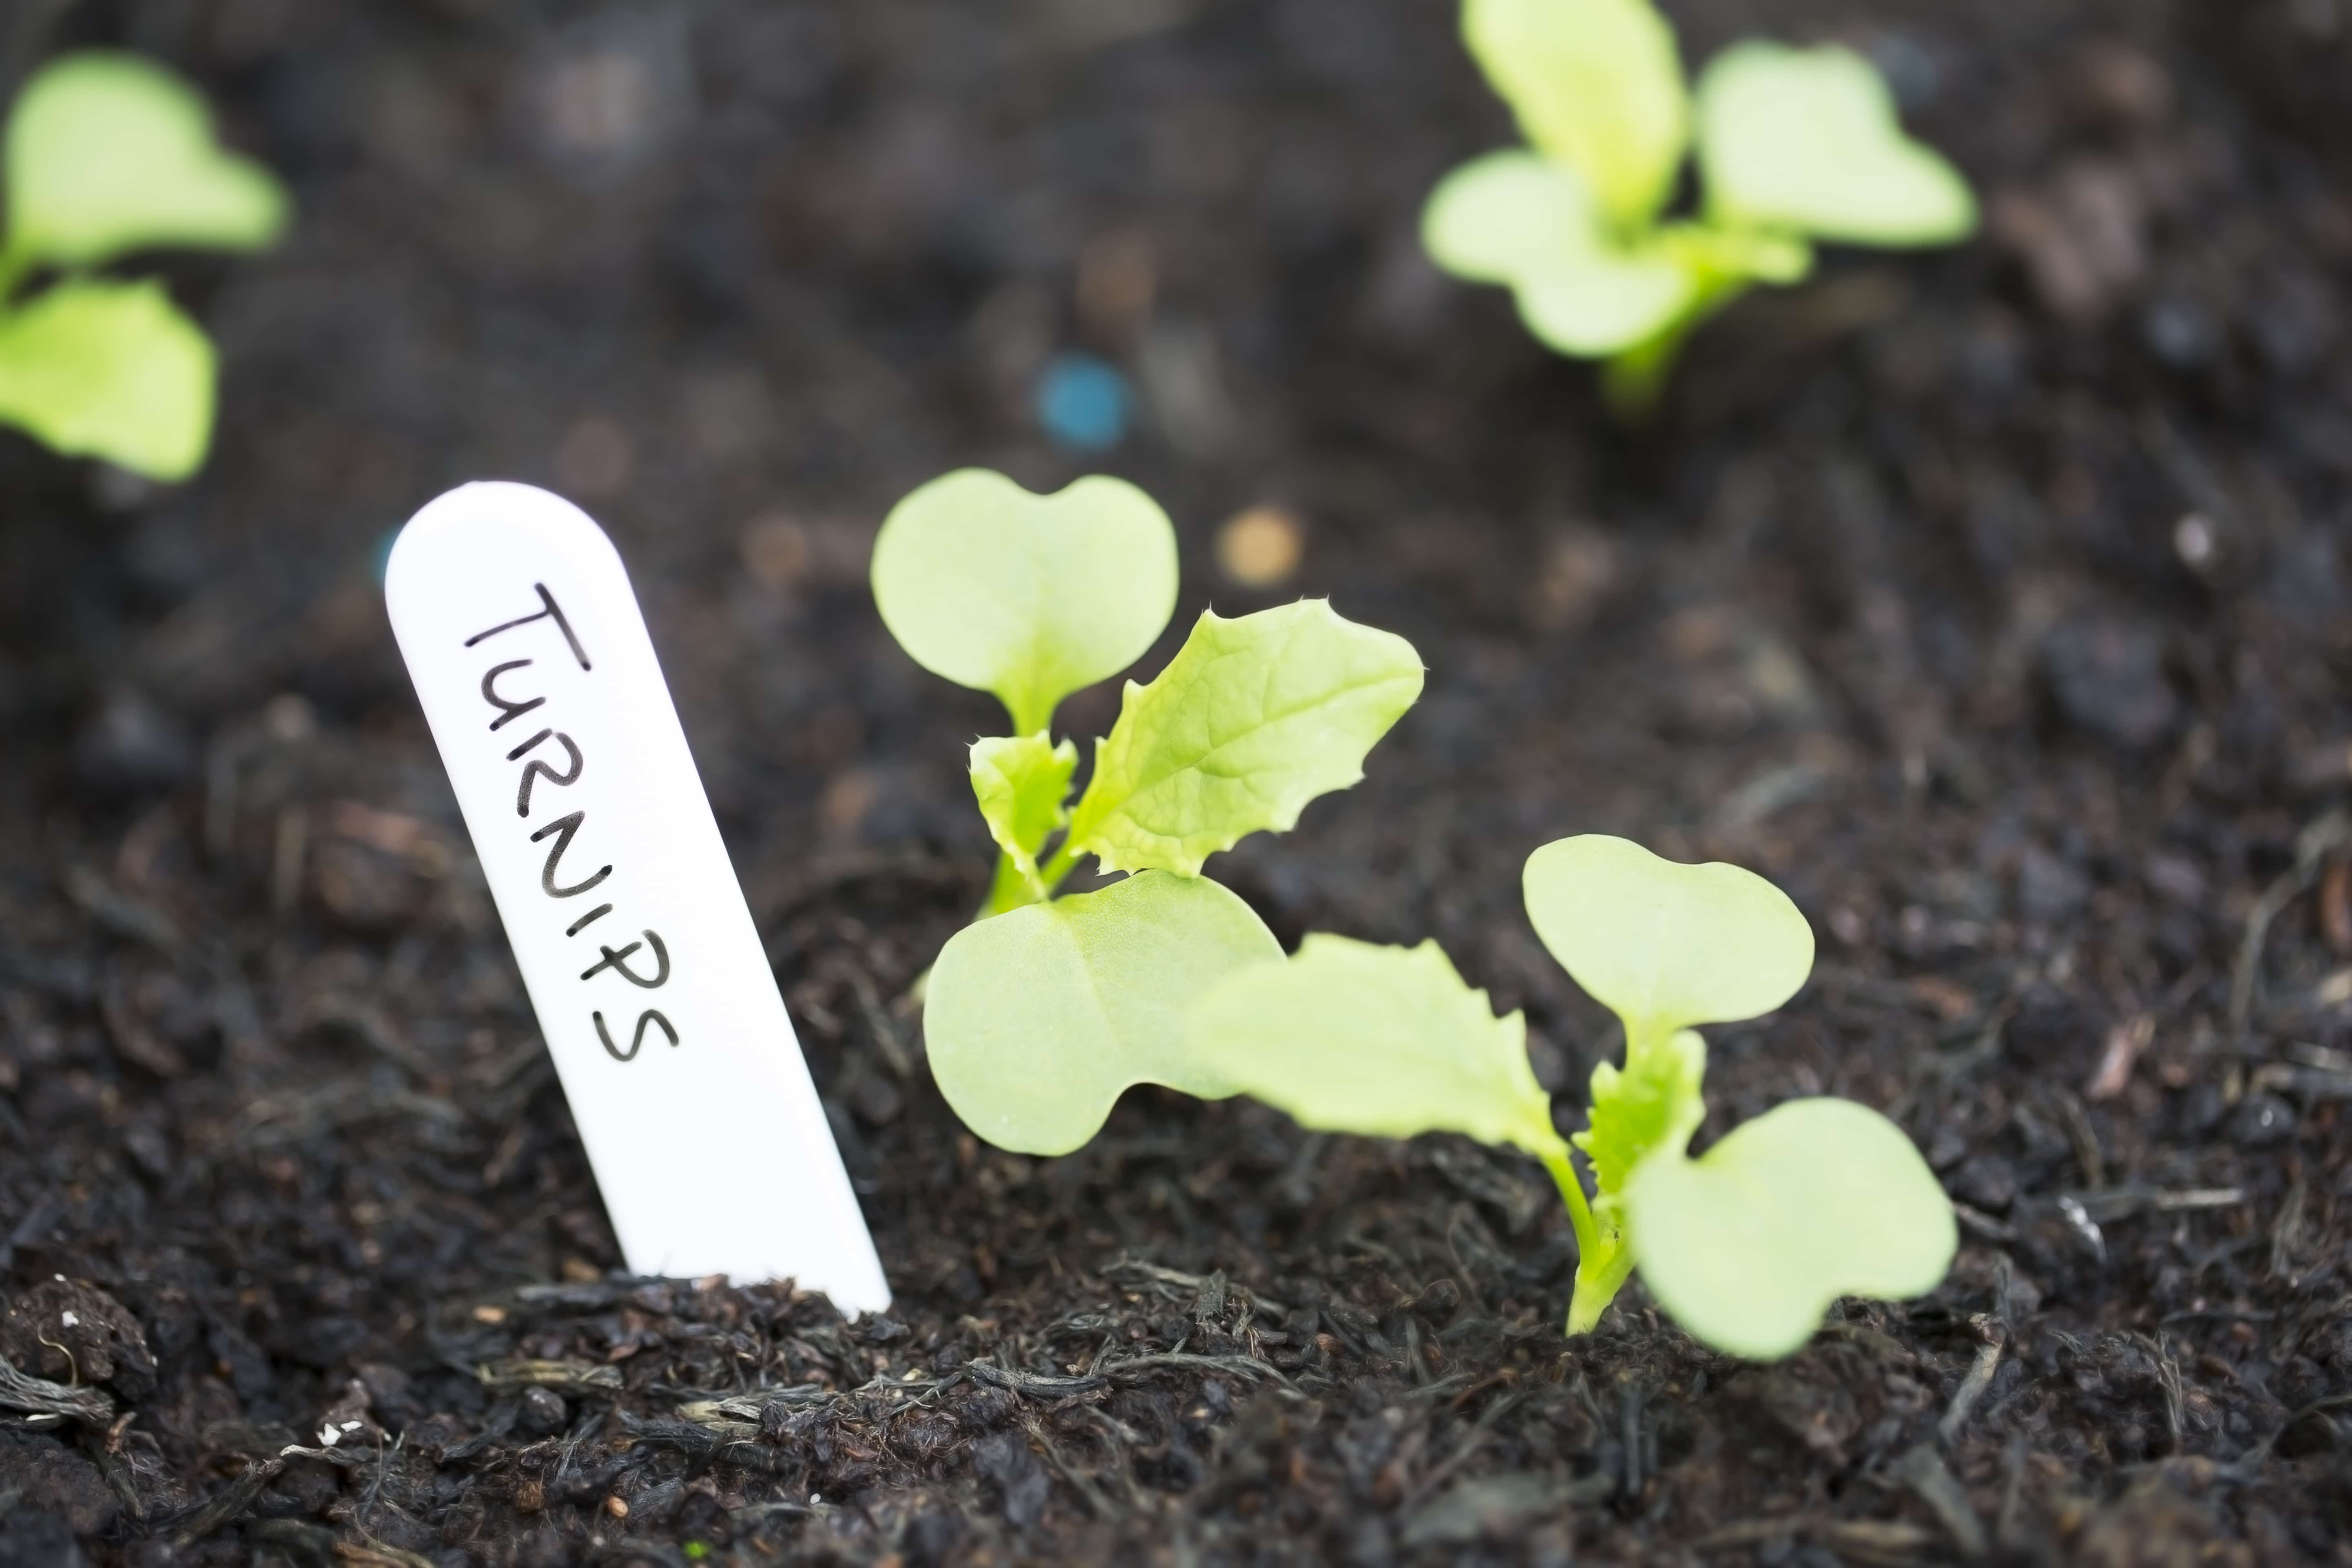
(106, 153)
(1042, 1012)
(1793, 145)
(1745, 1246)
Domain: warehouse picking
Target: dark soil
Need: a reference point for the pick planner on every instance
(1995, 602)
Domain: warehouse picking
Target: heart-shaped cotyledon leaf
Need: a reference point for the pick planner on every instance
(1808, 140)
(108, 153)
(109, 370)
(1037, 1019)
(1021, 783)
(1384, 1042)
(1662, 945)
(1028, 596)
(1597, 87)
(1747, 1245)
(1252, 718)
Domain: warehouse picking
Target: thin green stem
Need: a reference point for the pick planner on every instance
(1058, 865)
(1556, 1159)
(1010, 889)
(1597, 1284)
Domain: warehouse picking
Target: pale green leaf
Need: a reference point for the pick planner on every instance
(1662, 945)
(1035, 1020)
(1653, 1102)
(1808, 140)
(1021, 783)
(109, 152)
(1028, 596)
(1746, 1245)
(1596, 85)
(1516, 219)
(1385, 1042)
(1250, 720)
(109, 370)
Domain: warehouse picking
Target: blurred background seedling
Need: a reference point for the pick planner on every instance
(106, 155)
(1793, 145)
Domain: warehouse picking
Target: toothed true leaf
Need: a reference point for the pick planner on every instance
(1662, 945)
(1028, 596)
(1350, 1036)
(1037, 1019)
(1653, 1102)
(109, 370)
(1597, 87)
(1252, 718)
(1021, 783)
(1746, 1245)
(109, 152)
(1808, 140)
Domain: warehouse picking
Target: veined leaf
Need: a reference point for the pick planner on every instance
(1651, 1103)
(1597, 86)
(109, 370)
(1386, 1042)
(1250, 720)
(1665, 945)
(1808, 140)
(1522, 221)
(1748, 1243)
(1037, 1019)
(108, 153)
(1021, 783)
(1025, 595)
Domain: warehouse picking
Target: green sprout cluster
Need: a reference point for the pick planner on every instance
(1044, 1010)
(1793, 145)
(1746, 1244)
(1038, 1015)
(105, 154)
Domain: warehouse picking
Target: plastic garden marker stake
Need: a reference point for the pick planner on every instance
(650, 981)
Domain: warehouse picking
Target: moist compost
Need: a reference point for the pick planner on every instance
(1992, 601)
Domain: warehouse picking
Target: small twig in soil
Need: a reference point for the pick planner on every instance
(1034, 1384)
(1462, 1452)
(39, 1396)
(1980, 1378)
(564, 1376)
(1931, 1480)
(1097, 1504)
(2312, 848)
(229, 1505)
(879, 1024)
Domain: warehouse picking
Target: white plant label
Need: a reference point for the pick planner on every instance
(650, 981)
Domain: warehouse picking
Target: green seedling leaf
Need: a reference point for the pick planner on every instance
(112, 370)
(1597, 87)
(1808, 140)
(1028, 596)
(1520, 220)
(1746, 1245)
(1021, 783)
(108, 153)
(1386, 1042)
(1653, 1102)
(1665, 945)
(1250, 720)
(1038, 1018)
